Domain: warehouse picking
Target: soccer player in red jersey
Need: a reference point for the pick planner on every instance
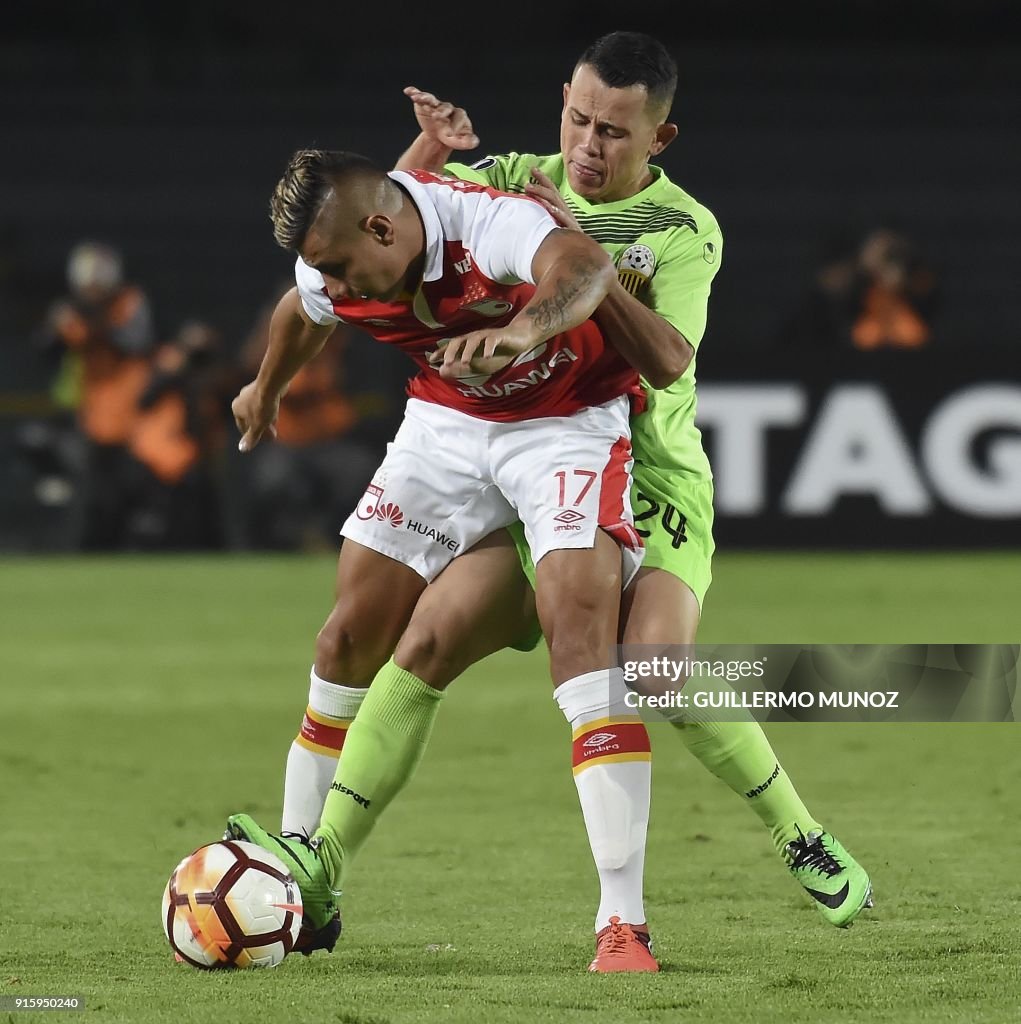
(519, 411)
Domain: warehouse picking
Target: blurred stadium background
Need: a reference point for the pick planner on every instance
(856, 482)
(160, 131)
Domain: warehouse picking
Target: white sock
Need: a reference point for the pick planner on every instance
(612, 762)
(312, 759)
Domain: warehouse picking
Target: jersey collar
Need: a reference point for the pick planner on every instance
(433, 268)
(431, 223)
(649, 192)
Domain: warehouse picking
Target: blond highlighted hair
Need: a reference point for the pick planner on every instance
(310, 176)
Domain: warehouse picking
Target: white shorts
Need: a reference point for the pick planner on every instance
(450, 479)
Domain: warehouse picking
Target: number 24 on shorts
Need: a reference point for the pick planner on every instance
(672, 521)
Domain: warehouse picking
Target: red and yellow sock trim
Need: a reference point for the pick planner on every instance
(322, 734)
(610, 740)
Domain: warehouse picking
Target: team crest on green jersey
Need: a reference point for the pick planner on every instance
(635, 267)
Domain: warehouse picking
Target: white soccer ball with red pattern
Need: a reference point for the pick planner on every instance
(231, 904)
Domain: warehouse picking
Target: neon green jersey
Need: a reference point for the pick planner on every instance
(667, 248)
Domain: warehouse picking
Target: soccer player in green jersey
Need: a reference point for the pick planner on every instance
(667, 248)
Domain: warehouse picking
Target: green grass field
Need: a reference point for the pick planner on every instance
(142, 700)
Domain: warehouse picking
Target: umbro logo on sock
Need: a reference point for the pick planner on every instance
(600, 739)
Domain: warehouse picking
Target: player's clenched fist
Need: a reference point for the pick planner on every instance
(255, 413)
(485, 351)
(449, 125)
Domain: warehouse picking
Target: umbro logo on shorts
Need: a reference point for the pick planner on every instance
(568, 520)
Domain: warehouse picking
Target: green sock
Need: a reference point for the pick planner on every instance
(383, 747)
(739, 754)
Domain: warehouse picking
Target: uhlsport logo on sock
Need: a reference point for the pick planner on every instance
(759, 790)
(357, 797)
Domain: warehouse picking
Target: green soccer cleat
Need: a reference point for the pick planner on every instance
(839, 885)
(310, 939)
(318, 898)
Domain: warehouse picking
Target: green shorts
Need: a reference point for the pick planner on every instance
(674, 517)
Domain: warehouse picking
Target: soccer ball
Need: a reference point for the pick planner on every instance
(231, 904)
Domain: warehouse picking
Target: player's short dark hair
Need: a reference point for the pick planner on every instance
(299, 194)
(623, 59)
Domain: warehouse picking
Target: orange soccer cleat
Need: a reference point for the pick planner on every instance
(623, 947)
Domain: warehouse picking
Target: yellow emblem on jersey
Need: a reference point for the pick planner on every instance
(635, 267)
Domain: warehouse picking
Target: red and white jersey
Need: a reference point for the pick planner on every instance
(479, 246)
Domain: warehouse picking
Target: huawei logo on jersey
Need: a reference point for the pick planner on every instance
(541, 373)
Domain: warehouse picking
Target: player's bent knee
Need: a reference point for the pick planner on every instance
(572, 654)
(663, 631)
(350, 652)
(426, 652)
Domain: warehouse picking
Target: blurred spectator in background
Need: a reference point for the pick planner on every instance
(179, 432)
(876, 293)
(303, 484)
(102, 335)
(897, 294)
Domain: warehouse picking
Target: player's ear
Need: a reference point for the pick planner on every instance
(665, 134)
(380, 227)
(567, 93)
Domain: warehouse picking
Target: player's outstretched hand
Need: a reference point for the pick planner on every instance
(485, 351)
(442, 121)
(255, 414)
(543, 189)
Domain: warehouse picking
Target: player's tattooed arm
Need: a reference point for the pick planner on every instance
(572, 280)
(657, 350)
(551, 315)
(572, 277)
